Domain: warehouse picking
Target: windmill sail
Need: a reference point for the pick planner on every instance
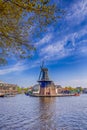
(41, 70)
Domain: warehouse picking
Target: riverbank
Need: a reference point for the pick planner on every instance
(56, 95)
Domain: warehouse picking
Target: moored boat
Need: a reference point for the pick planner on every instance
(1, 95)
(9, 95)
(77, 94)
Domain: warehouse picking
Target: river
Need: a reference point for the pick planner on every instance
(36, 113)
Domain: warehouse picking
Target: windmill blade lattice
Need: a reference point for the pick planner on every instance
(41, 69)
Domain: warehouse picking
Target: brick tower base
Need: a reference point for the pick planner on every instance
(49, 90)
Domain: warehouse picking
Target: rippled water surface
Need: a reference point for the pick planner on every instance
(31, 113)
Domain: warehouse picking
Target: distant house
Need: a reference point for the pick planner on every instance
(59, 89)
(6, 88)
(36, 88)
(85, 90)
(30, 88)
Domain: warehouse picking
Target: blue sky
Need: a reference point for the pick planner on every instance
(63, 47)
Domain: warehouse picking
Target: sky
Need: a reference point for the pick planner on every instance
(63, 48)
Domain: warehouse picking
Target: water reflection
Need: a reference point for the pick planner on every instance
(47, 115)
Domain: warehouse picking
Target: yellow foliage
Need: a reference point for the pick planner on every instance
(17, 17)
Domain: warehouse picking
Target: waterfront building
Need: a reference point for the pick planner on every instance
(59, 89)
(84, 90)
(36, 88)
(8, 89)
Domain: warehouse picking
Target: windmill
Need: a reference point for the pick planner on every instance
(43, 76)
(46, 85)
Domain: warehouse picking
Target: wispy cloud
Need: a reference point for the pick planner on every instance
(77, 12)
(19, 67)
(50, 52)
(44, 40)
(70, 45)
(15, 68)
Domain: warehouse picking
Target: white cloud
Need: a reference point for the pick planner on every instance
(44, 40)
(83, 50)
(15, 68)
(77, 12)
(53, 51)
(19, 67)
(60, 49)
